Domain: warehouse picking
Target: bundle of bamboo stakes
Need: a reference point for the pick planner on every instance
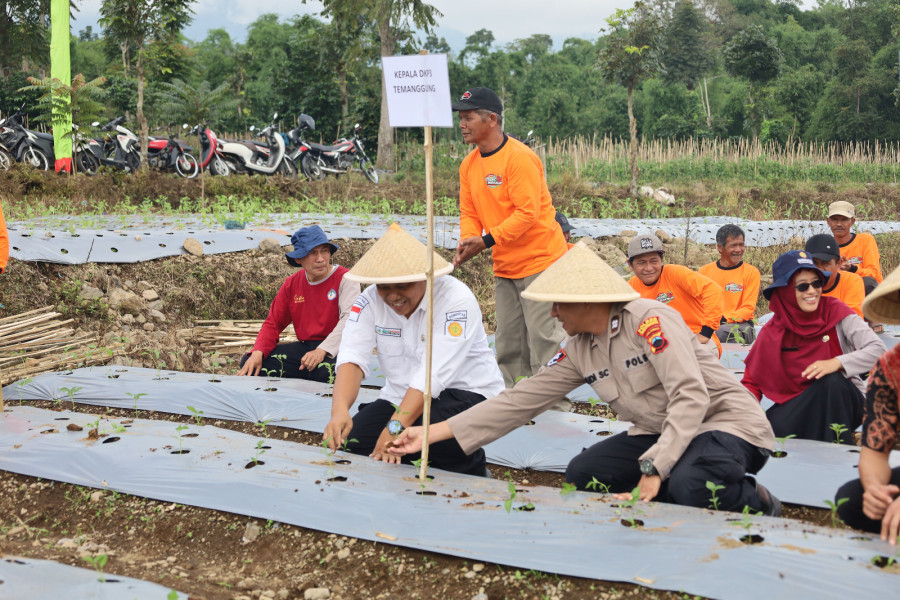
(230, 337)
(38, 340)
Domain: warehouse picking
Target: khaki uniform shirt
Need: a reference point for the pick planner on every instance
(651, 370)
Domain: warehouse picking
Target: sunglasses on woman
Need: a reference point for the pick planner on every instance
(802, 287)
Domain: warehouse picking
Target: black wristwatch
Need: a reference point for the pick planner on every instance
(647, 467)
(395, 427)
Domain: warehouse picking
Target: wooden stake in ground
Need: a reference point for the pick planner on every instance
(429, 297)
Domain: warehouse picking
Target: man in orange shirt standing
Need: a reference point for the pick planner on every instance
(4, 242)
(846, 286)
(740, 285)
(505, 205)
(697, 297)
(859, 251)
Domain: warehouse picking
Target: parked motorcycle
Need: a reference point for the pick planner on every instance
(27, 146)
(338, 158)
(269, 159)
(211, 157)
(299, 149)
(84, 150)
(6, 158)
(169, 154)
(121, 152)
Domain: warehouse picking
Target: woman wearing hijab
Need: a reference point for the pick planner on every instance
(809, 357)
(872, 502)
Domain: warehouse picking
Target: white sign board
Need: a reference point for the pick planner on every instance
(418, 90)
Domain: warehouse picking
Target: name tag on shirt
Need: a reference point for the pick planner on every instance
(388, 331)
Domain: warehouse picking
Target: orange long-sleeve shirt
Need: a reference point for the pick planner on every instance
(697, 297)
(849, 289)
(862, 252)
(740, 285)
(505, 194)
(4, 242)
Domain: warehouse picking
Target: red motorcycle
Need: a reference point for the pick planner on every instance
(169, 154)
(211, 157)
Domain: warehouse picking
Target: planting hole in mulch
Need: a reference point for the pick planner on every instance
(337, 478)
(526, 507)
(883, 562)
(184, 451)
(111, 440)
(121, 370)
(854, 450)
(270, 390)
(861, 538)
(779, 454)
(426, 493)
(113, 376)
(530, 423)
(604, 433)
(343, 461)
(632, 524)
(160, 379)
(191, 435)
(49, 431)
(61, 419)
(252, 464)
(215, 381)
(752, 539)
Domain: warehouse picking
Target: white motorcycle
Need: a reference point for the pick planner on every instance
(266, 159)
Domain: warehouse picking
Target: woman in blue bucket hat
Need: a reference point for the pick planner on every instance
(317, 301)
(809, 357)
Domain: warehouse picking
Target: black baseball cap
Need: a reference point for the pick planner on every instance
(563, 222)
(479, 97)
(823, 247)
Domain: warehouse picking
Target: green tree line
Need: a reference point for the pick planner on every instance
(706, 68)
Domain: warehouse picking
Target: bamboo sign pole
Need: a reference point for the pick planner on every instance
(429, 297)
(417, 89)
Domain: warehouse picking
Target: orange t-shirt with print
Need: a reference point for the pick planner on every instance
(740, 285)
(849, 289)
(4, 242)
(505, 194)
(697, 297)
(862, 252)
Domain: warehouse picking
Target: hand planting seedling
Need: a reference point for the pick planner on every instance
(713, 490)
(834, 508)
(71, 391)
(779, 449)
(839, 429)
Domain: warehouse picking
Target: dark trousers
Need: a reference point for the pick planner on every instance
(743, 332)
(370, 421)
(851, 511)
(289, 366)
(715, 456)
(869, 283)
(809, 415)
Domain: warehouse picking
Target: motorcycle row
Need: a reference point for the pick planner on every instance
(119, 148)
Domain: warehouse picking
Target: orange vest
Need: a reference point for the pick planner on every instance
(505, 194)
(697, 297)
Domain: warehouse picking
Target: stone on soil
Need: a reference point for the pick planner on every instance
(317, 594)
(192, 246)
(126, 302)
(270, 245)
(150, 295)
(89, 293)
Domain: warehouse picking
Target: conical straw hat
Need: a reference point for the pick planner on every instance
(397, 257)
(883, 304)
(580, 276)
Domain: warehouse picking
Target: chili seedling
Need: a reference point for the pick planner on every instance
(197, 415)
(71, 391)
(135, 397)
(780, 441)
(597, 486)
(330, 367)
(834, 509)
(259, 451)
(567, 488)
(839, 429)
(98, 562)
(714, 488)
(179, 429)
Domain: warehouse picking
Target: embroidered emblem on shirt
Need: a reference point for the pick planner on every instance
(493, 181)
(665, 297)
(455, 328)
(299, 299)
(388, 331)
(558, 357)
(734, 287)
(457, 315)
(635, 361)
(357, 308)
(651, 329)
(332, 294)
(854, 260)
(614, 325)
(595, 376)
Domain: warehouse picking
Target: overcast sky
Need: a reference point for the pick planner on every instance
(508, 19)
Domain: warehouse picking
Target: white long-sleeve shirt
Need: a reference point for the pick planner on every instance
(461, 357)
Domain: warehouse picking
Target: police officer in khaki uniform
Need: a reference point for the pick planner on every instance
(693, 421)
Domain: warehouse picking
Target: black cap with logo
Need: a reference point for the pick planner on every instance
(479, 97)
(823, 247)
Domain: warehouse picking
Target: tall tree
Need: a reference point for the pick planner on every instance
(685, 51)
(23, 33)
(631, 55)
(754, 56)
(146, 25)
(395, 20)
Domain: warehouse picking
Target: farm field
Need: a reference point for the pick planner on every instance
(210, 554)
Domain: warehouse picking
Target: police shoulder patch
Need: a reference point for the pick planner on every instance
(651, 330)
(556, 358)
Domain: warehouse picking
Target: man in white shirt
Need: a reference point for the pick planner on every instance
(390, 317)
